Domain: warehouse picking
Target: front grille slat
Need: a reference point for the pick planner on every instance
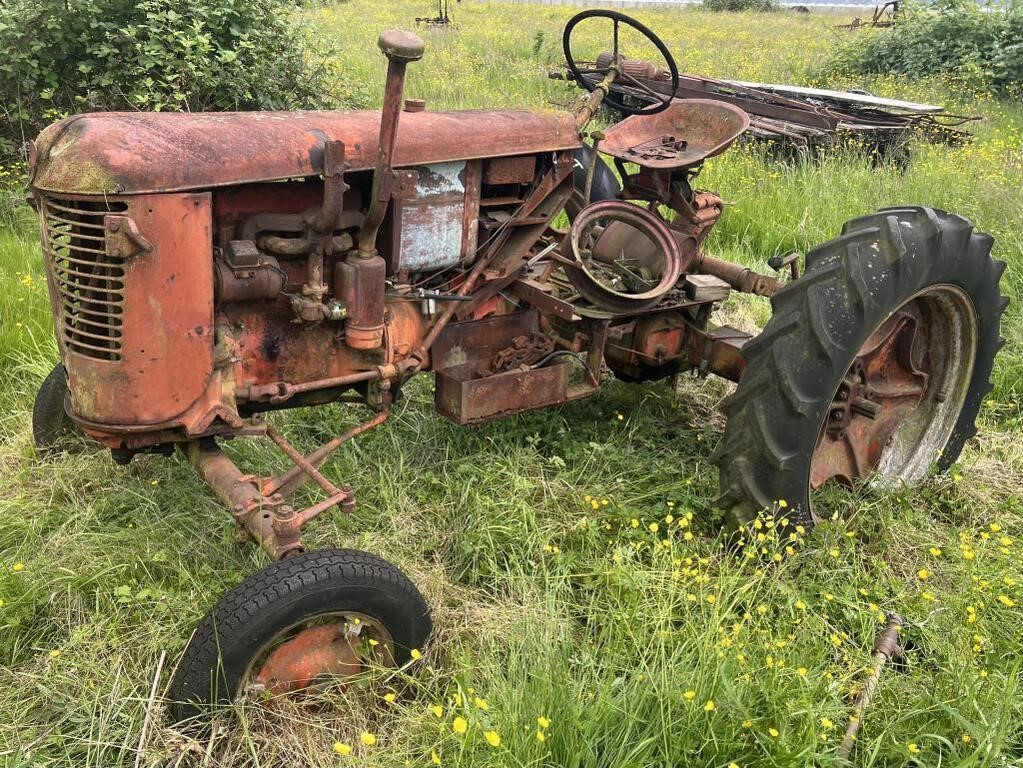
(84, 249)
(91, 277)
(72, 301)
(113, 316)
(71, 223)
(90, 207)
(82, 262)
(90, 281)
(80, 333)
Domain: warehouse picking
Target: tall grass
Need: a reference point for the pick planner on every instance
(571, 557)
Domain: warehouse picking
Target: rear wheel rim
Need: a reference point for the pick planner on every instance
(308, 655)
(898, 403)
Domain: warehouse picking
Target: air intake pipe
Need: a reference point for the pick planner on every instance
(364, 272)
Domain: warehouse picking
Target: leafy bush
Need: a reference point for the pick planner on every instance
(67, 56)
(741, 5)
(970, 45)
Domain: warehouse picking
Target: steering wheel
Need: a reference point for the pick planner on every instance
(585, 76)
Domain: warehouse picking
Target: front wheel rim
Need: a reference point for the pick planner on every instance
(311, 653)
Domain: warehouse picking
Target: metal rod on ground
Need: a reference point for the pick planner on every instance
(886, 648)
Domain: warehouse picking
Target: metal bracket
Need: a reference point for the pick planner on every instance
(123, 239)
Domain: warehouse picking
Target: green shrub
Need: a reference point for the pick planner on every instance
(67, 56)
(961, 41)
(741, 5)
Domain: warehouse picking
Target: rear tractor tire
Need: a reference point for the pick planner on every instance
(300, 622)
(872, 367)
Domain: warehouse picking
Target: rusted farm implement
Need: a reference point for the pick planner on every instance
(807, 122)
(206, 269)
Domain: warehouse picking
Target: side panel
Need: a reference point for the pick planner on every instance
(432, 220)
(131, 281)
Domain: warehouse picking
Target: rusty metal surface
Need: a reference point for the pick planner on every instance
(880, 391)
(540, 296)
(430, 221)
(126, 323)
(466, 354)
(525, 350)
(740, 277)
(807, 117)
(650, 347)
(314, 653)
(297, 475)
(685, 134)
(473, 341)
(510, 170)
(468, 400)
(723, 355)
(886, 649)
(615, 278)
(257, 513)
(137, 152)
(272, 359)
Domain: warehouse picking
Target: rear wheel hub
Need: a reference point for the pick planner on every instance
(897, 403)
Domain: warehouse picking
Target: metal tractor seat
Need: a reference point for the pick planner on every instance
(685, 134)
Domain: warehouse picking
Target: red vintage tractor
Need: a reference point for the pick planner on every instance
(206, 269)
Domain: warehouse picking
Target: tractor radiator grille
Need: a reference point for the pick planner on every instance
(89, 282)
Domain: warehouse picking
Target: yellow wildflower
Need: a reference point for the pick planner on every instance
(493, 738)
(342, 749)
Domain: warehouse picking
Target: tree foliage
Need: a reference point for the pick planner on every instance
(977, 47)
(68, 56)
(741, 5)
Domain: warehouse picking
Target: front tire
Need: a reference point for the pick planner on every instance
(51, 426)
(295, 622)
(873, 366)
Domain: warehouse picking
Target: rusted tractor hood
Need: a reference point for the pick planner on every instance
(146, 152)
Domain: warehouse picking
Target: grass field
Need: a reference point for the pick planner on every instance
(585, 610)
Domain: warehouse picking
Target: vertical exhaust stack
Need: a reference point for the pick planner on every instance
(364, 271)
